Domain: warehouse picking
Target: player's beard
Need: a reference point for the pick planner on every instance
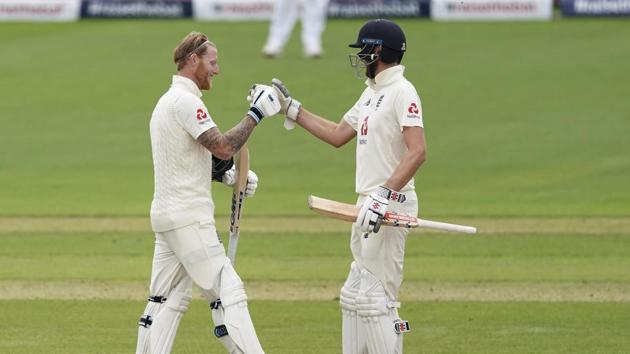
(370, 70)
(204, 79)
(209, 81)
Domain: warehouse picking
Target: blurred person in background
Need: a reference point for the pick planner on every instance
(313, 14)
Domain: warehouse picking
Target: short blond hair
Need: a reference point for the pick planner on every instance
(193, 43)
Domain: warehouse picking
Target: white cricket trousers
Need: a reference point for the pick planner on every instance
(193, 252)
(313, 15)
(383, 253)
(369, 297)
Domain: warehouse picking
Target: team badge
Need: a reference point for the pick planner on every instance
(201, 114)
(364, 126)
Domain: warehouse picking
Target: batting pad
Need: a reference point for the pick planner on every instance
(220, 330)
(238, 323)
(353, 330)
(379, 315)
(166, 322)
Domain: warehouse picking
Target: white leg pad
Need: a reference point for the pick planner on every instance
(144, 327)
(166, 322)
(380, 316)
(353, 330)
(220, 330)
(237, 321)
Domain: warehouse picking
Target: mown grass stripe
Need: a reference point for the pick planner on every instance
(328, 290)
(555, 225)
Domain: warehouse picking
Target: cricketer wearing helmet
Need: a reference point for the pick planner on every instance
(184, 140)
(387, 123)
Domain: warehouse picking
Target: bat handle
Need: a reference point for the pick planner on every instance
(233, 246)
(447, 227)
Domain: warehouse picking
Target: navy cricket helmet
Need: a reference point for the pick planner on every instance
(381, 32)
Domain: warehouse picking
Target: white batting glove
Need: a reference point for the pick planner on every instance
(252, 184)
(230, 176)
(250, 93)
(290, 106)
(264, 102)
(374, 209)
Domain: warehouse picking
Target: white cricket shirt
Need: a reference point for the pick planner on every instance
(182, 167)
(388, 103)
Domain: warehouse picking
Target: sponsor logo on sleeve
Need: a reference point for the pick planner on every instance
(413, 111)
(201, 115)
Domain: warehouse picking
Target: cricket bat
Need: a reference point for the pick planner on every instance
(349, 212)
(241, 160)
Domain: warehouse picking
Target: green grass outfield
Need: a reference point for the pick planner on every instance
(522, 119)
(82, 291)
(527, 128)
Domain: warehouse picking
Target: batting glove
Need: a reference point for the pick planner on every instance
(230, 176)
(290, 106)
(373, 210)
(264, 102)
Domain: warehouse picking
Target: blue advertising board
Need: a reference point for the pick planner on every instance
(136, 8)
(379, 8)
(595, 7)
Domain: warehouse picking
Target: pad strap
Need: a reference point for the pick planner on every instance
(158, 299)
(215, 305)
(145, 321)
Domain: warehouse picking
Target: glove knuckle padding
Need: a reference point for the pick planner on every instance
(361, 217)
(373, 210)
(378, 314)
(267, 104)
(277, 83)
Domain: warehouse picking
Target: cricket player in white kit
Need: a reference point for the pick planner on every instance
(184, 139)
(387, 122)
(313, 15)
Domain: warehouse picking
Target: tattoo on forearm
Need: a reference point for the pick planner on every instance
(238, 135)
(211, 139)
(231, 141)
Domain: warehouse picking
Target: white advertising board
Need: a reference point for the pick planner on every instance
(491, 10)
(233, 9)
(39, 10)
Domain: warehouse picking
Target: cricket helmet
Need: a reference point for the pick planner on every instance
(381, 32)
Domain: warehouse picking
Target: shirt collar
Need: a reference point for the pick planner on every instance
(386, 77)
(186, 84)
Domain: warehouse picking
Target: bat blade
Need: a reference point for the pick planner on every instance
(349, 212)
(241, 160)
(333, 209)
